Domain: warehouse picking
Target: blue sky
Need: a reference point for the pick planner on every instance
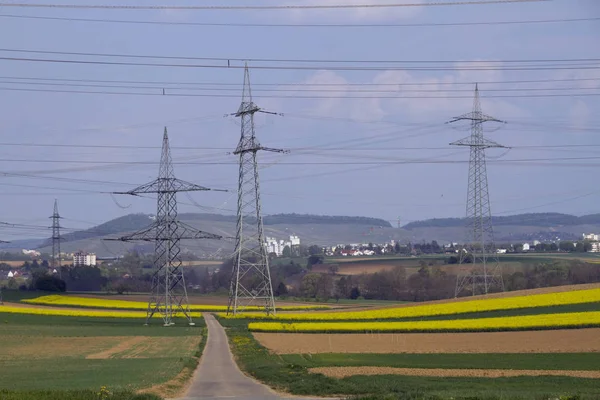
(315, 130)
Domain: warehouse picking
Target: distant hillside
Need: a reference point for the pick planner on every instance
(323, 219)
(532, 219)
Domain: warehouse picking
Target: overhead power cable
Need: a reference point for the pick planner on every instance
(296, 60)
(216, 95)
(303, 84)
(268, 25)
(264, 7)
(288, 90)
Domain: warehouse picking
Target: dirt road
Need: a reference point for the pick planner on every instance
(218, 376)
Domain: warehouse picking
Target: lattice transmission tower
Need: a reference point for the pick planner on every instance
(2, 301)
(486, 271)
(56, 262)
(251, 277)
(168, 296)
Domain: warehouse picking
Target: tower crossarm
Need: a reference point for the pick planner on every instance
(476, 116)
(477, 142)
(181, 231)
(166, 185)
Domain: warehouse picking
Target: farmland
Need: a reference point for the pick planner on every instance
(85, 353)
(542, 359)
(510, 262)
(526, 344)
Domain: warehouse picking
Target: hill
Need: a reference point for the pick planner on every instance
(531, 219)
(320, 230)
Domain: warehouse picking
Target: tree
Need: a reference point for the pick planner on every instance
(314, 250)
(333, 269)
(287, 252)
(50, 283)
(12, 283)
(281, 290)
(354, 293)
(310, 285)
(313, 260)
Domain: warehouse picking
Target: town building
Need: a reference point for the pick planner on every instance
(276, 246)
(82, 259)
(591, 236)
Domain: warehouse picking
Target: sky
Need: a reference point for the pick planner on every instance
(368, 142)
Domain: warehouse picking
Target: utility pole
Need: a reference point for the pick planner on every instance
(168, 295)
(56, 262)
(251, 277)
(486, 272)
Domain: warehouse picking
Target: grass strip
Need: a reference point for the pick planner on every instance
(528, 361)
(72, 395)
(293, 378)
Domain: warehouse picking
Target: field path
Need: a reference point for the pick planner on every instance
(218, 376)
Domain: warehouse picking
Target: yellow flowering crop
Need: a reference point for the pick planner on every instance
(460, 307)
(78, 313)
(526, 322)
(87, 302)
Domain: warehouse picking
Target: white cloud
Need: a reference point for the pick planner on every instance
(413, 96)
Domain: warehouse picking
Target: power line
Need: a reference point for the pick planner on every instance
(162, 83)
(228, 65)
(255, 7)
(299, 89)
(297, 60)
(261, 25)
(216, 95)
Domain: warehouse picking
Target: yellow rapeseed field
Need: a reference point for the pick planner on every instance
(526, 322)
(85, 302)
(426, 310)
(78, 313)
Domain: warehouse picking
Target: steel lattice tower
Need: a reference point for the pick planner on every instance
(251, 278)
(55, 263)
(168, 295)
(486, 272)
(1, 301)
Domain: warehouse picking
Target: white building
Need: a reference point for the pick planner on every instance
(81, 259)
(276, 246)
(526, 247)
(595, 247)
(591, 236)
(500, 251)
(294, 240)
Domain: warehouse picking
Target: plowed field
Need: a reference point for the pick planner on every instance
(553, 341)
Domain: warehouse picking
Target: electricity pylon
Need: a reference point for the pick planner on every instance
(168, 296)
(56, 262)
(251, 278)
(486, 272)
(1, 301)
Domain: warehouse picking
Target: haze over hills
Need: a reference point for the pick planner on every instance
(320, 230)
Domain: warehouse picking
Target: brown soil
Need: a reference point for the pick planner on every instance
(123, 345)
(148, 347)
(30, 347)
(342, 372)
(554, 341)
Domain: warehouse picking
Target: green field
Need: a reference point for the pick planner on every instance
(536, 361)
(65, 353)
(290, 373)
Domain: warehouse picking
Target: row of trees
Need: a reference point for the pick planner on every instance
(431, 283)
